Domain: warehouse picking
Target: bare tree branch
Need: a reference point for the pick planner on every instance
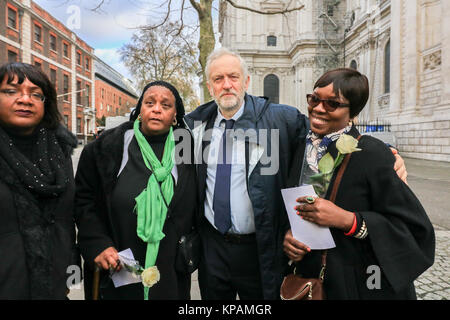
(231, 2)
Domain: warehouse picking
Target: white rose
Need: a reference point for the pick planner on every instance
(150, 276)
(347, 144)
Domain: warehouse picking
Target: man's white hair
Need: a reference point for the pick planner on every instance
(220, 52)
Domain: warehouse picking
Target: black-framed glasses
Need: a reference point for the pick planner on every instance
(16, 94)
(329, 105)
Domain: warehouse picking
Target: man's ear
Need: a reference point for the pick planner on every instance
(209, 89)
(247, 82)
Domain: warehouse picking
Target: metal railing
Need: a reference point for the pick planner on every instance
(373, 126)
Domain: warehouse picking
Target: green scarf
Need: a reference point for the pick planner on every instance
(150, 207)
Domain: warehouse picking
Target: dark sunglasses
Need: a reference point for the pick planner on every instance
(329, 105)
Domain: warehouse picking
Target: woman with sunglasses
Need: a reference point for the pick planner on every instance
(37, 229)
(384, 239)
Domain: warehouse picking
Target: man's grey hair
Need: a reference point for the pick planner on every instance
(220, 52)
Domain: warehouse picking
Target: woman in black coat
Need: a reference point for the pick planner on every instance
(384, 239)
(112, 173)
(37, 228)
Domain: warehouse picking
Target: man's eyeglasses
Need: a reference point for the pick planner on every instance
(16, 94)
(329, 105)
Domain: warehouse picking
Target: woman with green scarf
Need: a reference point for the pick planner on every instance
(136, 189)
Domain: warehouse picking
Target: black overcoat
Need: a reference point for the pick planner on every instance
(401, 239)
(95, 179)
(14, 282)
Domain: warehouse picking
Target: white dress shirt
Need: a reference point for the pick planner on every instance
(242, 219)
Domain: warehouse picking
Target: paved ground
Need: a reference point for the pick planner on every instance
(430, 181)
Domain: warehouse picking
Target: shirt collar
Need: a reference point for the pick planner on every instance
(236, 116)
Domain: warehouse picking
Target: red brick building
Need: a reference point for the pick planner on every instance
(114, 95)
(30, 34)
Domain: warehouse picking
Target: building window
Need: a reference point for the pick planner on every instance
(66, 50)
(53, 76)
(272, 88)
(53, 42)
(120, 101)
(66, 87)
(330, 10)
(271, 41)
(79, 58)
(88, 98)
(12, 18)
(387, 67)
(87, 62)
(38, 64)
(354, 65)
(66, 121)
(12, 56)
(103, 93)
(78, 92)
(37, 33)
(78, 125)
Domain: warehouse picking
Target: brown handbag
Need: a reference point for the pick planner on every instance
(294, 287)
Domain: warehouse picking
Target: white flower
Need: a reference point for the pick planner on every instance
(347, 144)
(150, 276)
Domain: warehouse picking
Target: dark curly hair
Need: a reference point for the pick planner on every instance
(52, 116)
(178, 102)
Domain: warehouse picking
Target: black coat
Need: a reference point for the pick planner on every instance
(95, 180)
(401, 238)
(271, 221)
(14, 282)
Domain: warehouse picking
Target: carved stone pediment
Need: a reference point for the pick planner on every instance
(384, 101)
(432, 61)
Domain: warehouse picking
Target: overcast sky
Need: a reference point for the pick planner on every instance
(105, 30)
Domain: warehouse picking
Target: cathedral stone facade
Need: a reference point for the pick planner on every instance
(402, 46)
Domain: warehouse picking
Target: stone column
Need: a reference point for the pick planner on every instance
(396, 57)
(26, 35)
(411, 56)
(73, 85)
(445, 42)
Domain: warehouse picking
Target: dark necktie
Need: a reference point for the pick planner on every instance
(221, 199)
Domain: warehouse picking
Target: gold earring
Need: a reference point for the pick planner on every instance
(174, 122)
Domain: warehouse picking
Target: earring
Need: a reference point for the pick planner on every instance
(139, 117)
(174, 122)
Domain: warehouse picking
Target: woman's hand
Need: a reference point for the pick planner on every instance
(108, 259)
(294, 249)
(324, 213)
(399, 166)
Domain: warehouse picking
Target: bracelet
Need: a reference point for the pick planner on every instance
(353, 228)
(363, 233)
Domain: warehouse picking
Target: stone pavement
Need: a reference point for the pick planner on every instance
(434, 284)
(430, 181)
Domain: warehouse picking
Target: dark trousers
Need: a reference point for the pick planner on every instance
(229, 266)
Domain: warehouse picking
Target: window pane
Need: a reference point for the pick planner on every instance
(53, 42)
(37, 33)
(354, 65)
(12, 18)
(272, 88)
(271, 41)
(53, 76)
(12, 56)
(387, 68)
(66, 50)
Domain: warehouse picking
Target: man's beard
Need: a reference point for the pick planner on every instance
(230, 104)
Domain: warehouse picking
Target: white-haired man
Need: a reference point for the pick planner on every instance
(244, 254)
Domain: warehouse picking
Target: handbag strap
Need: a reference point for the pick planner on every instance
(334, 191)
